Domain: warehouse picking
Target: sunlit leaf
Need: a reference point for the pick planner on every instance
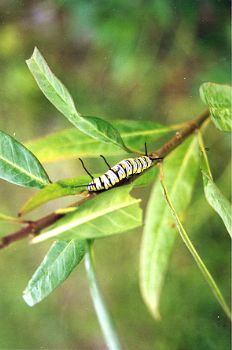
(62, 188)
(160, 230)
(208, 277)
(212, 193)
(59, 96)
(71, 143)
(18, 165)
(108, 213)
(219, 100)
(57, 265)
(73, 186)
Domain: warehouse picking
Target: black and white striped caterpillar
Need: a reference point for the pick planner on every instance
(119, 173)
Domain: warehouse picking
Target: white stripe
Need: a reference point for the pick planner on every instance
(105, 182)
(143, 163)
(113, 178)
(98, 183)
(128, 166)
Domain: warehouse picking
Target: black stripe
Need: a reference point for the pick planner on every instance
(145, 161)
(133, 167)
(102, 184)
(108, 179)
(108, 176)
(141, 168)
(127, 161)
(122, 170)
(138, 162)
(114, 171)
(93, 187)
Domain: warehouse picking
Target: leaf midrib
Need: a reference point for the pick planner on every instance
(45, 270)
(75, 112)
(126, 135)
(83, 220)
(22, 170)
(50, 83)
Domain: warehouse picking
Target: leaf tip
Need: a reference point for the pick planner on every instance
(34, 54)
(27, 297)
(154, 310)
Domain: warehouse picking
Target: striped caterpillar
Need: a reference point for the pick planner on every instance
(119, 173)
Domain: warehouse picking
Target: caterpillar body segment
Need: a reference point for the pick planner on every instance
(119, 173)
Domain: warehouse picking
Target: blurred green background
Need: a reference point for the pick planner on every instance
(120, 59)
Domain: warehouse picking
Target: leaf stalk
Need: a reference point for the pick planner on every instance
(105, 321)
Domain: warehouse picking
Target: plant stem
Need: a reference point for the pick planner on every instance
(181, 135)
(103, 315)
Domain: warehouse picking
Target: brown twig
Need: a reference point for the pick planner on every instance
(35, 227)
(180, 136)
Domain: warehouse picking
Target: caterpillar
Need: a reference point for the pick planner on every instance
(119, 173)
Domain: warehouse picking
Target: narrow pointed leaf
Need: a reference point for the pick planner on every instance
(18, 165)
(108, 213)
(59, 96)
(71, 143)
(61, 188)
(159, 231)
(212, 193)
(57, 265)
(208, 277)
(219, 100)
(73, 186)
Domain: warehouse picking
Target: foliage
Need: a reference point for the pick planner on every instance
(145, 69)
(113, 211)
(218, 99)
(160, 229)
(71, 143)
(59, 96)
(18, 165)
(213, 195)
(57, 265)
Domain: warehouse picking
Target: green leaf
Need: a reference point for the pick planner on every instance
(108, 213)
(146, 177)
(208, 277)
(69, 187)
(18, 165)
(61, 188)
(212, 193)
(159, 231)
(219, 100)
(71, 143)
(218, 202)
(57, 265)
(59, 96)
(10, 219)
